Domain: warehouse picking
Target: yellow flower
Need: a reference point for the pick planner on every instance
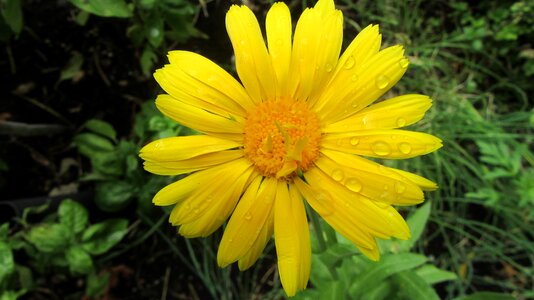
(294, 130)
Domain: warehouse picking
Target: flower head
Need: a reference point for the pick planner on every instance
(294, 130)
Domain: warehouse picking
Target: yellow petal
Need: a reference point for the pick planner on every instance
(214, 84)
(183, 188)
(291, 236)
(257, 247)
(373, 253)
(192, 164)
(253, 63)
(397, 112)
(247, 221)
(423, 183)
(369, 179)
(196, 118)
(388, 143)
(184, 147)
(214, 209)
(316, 48)
(324, 203)
(348, 95)
(356, 210)
(278, 28)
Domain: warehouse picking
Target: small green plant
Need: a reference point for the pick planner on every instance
(62, 241)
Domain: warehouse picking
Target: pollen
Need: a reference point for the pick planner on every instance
(282, 138)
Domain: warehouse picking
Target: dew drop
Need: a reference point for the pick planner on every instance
(279, 42)
(382, 81)
(404, 62)
(380, 148)
(337, 175)
(405, 148)
(355, 103)
(154, 32)
(399, 187)
(354, 185)
(242, 42)
(354, 141)
(324, 204)
(386, 187)
(401, 122)
(354, 78)
(248, 217)
(230, 240)
(328, 68)
(349, 63)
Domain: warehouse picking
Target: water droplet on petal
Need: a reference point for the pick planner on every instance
(404, 62)
(399, 187)
(386, 187)
(382, 82)
(279, 42)
(349, 63)
(328, 68)
(380, 148)
(248, 217)
(354, 78)
(196, 210)
(354, 141)
(230, 240)
(242, 42)
(325, 205)
(353, 184)
(405, 148)
(355, 103)
(401, 122)
(337, 175)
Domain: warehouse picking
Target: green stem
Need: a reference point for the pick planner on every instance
(318, 230)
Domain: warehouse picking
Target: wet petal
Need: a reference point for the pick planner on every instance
(291, 235)
(389, 143)
(397, 112)
(278, 28)
(162, 167)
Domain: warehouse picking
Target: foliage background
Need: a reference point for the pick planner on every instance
(76, 106)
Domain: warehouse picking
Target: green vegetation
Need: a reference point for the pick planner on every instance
(85, 76)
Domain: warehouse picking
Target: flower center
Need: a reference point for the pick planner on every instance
(282, 137)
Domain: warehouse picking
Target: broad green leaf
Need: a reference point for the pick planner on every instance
(378, 292)
(148, 58)
(12, 13)
(332, 290)
(49, 237)
(108, 163)
(104, 8)
(12, 295)
(7, 264)
(25, 277)
(410, 286)
(431, 274)
(4, 230)
(113, 195)
(101, 237)
(73, 67)
(486, 296)
(102, 128)
(416, 222)
(73, 215)
(387, 266)
(89, 143)
(96, 284)
(80, 261)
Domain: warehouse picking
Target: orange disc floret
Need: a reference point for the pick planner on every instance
(281, 137)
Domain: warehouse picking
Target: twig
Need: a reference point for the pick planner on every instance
(24, 129)
(166, 284)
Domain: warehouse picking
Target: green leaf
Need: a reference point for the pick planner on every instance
(389, 265)
(108, 163)
(12, 295)
(112, 196)
(486, 296)
(12, 13)
(90, 143)
(102, 128)
(4, 230)
(431, 274)
(73, 215)
(148, 58)
(7, 264)
(154, 30)
(416, 222)
(104, 8)
(411, 286)
(49, 237)
(25, 277)
(378, 292)
(96, 284)
(80, 261)
(101, 237)
(73, 67)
